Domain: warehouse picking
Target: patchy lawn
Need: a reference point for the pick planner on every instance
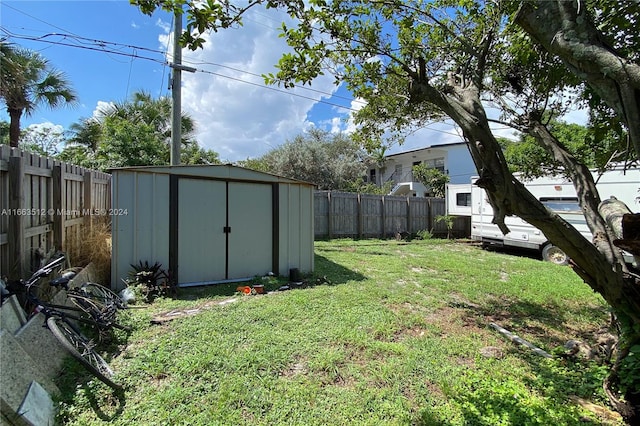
(388, 333)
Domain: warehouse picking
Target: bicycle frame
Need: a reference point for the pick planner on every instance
(64, 326)
(51, 309)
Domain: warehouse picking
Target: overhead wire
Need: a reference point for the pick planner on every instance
(90, 44)
(102, 48)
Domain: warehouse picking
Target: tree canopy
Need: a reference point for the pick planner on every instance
(596, 147)
(132, 133)
(330, 161)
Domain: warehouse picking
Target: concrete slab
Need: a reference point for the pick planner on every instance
(41, 345)
(12, 316)
(18, 370)
(37, 408)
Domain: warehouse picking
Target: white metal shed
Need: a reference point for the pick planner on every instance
(210, 224)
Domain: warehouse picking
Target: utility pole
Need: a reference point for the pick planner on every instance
(176, 83)
(176, 89)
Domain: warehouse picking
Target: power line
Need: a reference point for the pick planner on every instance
(103, 46)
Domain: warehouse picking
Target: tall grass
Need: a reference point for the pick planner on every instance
(94, 246)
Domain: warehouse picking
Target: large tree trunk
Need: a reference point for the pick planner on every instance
(563, 28)
(14, 126)
(600, 265)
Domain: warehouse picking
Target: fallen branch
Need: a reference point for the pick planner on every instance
(520, 340)
(181, 313)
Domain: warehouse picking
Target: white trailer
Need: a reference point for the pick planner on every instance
(558, 194)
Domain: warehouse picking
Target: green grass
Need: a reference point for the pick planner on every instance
(390, 334)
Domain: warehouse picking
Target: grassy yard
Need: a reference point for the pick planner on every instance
(397, 333)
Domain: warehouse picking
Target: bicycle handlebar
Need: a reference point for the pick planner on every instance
(45, 270)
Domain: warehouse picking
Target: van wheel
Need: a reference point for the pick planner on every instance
(553, 254)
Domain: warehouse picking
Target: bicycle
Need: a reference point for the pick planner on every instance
(95, 306)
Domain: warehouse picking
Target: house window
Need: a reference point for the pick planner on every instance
(463, 199)
(372, 176)
(435, 163)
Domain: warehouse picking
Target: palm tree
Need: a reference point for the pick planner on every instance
(26, 81)
(156, 112)
(86, 133)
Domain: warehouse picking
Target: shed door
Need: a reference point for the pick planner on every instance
(250, 239)
(224, 230)
(201, 241)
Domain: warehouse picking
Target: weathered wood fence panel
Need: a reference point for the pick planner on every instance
(45, 205)
(340, 214)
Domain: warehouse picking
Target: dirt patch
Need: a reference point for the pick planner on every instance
(295, 369)
(181, 313)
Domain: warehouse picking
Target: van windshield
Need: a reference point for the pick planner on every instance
(562, 205)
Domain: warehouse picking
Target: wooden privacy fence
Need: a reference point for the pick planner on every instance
(341, 214)
(45, 205)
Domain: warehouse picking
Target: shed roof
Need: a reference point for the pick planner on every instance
(217, 171)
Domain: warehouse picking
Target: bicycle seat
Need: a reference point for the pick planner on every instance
(69, 274)
(62, 281)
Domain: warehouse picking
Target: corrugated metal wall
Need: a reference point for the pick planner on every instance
(225, 222)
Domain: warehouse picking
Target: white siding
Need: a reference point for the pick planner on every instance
(144, 233)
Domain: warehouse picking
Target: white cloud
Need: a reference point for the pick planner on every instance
(235, 114)
(101, 108)
(47, 126)
(164, 26)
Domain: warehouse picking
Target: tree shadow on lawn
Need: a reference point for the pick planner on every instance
(555, 382)
(550, 323)
(557, 386)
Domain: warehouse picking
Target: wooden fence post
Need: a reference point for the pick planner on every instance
(57, 203)
(382, 217)
(409, 216)
(17, 257)
(87, 200)
(360, 218)
(329, 215)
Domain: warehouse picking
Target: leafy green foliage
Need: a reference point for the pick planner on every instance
(133, 133)
(432, 178)
(4, 132)
(330, 161)
(588, 145)
(150, 281)
(448, 220)
(43, 140)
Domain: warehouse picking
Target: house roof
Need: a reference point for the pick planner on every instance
(438, 146)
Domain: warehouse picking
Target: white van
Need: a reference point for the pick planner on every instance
(558, 194)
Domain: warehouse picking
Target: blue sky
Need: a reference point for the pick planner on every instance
(235, 114)
(109, 50)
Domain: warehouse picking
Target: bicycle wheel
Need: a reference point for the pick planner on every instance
(81, 349)
(103, 295)
(103, 314)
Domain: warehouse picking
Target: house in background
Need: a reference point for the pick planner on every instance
(453, 159)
